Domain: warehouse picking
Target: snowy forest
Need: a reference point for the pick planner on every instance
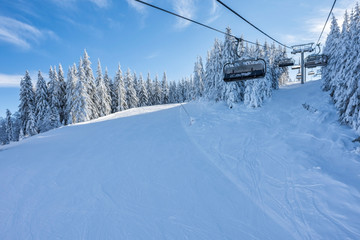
(83, 96)
(341, 76)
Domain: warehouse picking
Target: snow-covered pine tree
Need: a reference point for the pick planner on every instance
(143, 93)
(27, 106)
(4, 139)
(330, 49)
(352, 99)
(136, 84)
(119, 91)
(150, 90)
(90, 87)
(198, 78)
(218, 72)
(9, 126)
(42, 107)
(164, 90)
(229, 91)
(132, 99)
(54, 98)
(108, 83)
(81, 110)
(102, 92)
(173, 97)
(70, 94)
(61, 92)
(157, 91)
(16, 125)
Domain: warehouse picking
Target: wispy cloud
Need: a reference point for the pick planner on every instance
(152, 56)
(10, 80)
(185, 8)
(316, 24)
(71, 4)
(101, 3)
(214, 12)
(21, 34)
(137, 6)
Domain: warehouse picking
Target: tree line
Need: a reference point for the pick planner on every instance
(82, 96)
(341, 76)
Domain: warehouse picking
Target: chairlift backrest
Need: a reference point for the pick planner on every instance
(316, 60)
(295, 67)
(286, 62)
(244, 70)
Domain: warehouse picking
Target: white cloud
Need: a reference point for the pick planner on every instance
(137, 6)
(214, 7)
(316, 24)
(152, 56)
(10, 80)
(21, 34)
(101, 3)
(184, 8)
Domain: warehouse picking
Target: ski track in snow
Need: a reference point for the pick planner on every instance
(287, 169)
(277, 172)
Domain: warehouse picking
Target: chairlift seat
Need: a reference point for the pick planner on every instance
(316, 60)
(286, 62)
(244, 70)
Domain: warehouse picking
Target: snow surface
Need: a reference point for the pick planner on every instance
(287, 170)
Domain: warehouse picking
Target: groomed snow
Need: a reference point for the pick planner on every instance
(287, 170)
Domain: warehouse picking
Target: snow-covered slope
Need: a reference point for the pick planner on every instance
(283, 171)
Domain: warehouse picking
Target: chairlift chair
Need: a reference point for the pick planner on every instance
(244, 70)
(286, 62)
(298, 75)
(316, 60)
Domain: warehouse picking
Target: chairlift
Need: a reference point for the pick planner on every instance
(244, 70)
(286, 62)
(298, 75)
(316, 60)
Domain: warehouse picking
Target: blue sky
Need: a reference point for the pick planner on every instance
(39, 33)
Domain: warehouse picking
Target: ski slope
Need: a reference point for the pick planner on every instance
(287, 170)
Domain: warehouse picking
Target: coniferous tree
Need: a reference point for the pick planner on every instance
(103, 94)
(61, 92)
(157, 92)
(27, 106)
(119, 91)
(143, 93)
(331, 46)
(150, 90)
(164, 90)
(198, 78)
(4, 138)
(132, 99)
(89, 82)
(42, 108)
(70, 94)
(81, 110)
(9, 126)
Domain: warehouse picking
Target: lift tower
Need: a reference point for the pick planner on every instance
(302, 48)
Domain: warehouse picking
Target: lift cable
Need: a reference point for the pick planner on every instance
(326, 22)
(252, 24)
(199, 23)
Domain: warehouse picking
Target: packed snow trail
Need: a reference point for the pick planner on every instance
(133, 177)
(283, 171)
(290, 156)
